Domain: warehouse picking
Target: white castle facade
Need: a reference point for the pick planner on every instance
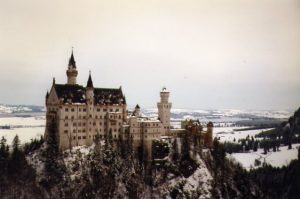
(79, 113)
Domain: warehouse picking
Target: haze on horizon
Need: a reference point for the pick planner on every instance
(209, 54)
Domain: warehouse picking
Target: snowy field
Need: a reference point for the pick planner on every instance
(228, 133)
(26, 128)
(276, 159)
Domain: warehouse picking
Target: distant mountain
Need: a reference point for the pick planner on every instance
(13, 109)
(222, 115)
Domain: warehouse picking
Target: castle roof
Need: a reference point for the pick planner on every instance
(90, 82)
(72, 61)
(76, 94)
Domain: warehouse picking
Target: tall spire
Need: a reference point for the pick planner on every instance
(72, 62)
(71, 71)
(90, 82)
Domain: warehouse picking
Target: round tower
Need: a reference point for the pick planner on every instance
(164, 109)
(137, 111)
(72, 71)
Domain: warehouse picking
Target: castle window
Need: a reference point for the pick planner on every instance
(66, 117)
(94, 124)
(79, 109)
(111, 110)
(84, 110)
(72, 117)
(90, 116)
(117, 110)
(83, 124)
(74, 131)
(83, 117)
(74, 124)
(98, 109)
(79, 137)
(66, 109)
(66, 124)
(115, 136)
(66, 131)
(119, 116)
(72, 110)
(96, 116)
(83, 130)
(74, 137)
(83, 137)
(105, 110)
(100, 123)
(115, 130)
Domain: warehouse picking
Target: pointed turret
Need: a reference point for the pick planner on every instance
(72, 72)
(47, 96)
(90, 82)
(72, 62)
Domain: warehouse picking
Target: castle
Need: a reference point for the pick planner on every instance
(79, 113)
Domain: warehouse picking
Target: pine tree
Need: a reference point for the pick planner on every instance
(17, 160)
(54, 166)
(4, 154)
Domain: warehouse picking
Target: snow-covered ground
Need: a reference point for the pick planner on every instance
(25, 134)
(26, 128)
(22, 121)
(228, 133)
(276, 159)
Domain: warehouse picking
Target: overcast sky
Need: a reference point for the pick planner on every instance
(210, 54)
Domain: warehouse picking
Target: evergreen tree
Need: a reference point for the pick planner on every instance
(4, 154)
(17, 160)
(54, 165)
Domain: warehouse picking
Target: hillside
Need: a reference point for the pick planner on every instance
(110, 169)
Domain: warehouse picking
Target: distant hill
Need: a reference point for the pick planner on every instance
(6, 109)
(288, 131)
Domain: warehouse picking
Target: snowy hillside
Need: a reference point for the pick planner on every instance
(276, 159)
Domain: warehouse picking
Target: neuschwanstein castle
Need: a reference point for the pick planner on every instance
(79, 113)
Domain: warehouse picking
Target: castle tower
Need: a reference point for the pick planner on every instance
(209, 135)
(164, 109)
(137, 111)
(90, 107)
(72, 71)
